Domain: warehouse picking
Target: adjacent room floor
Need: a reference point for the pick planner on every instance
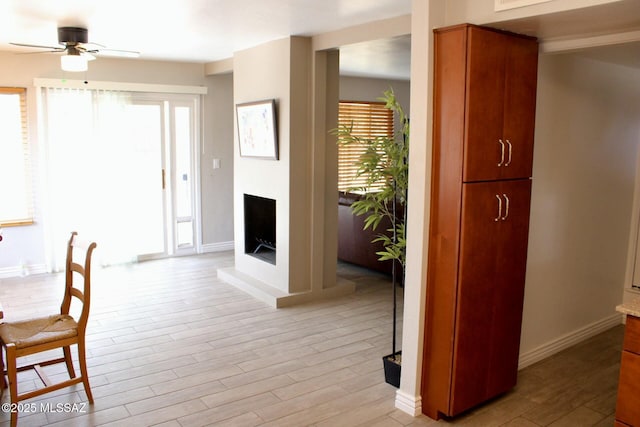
(170, 344)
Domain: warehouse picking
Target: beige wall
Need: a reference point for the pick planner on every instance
(26, 244)
(372, 89)
(278, 70)
(365, 89)
(300, 166)
(326, 81)
(587, 137)
(217, 184)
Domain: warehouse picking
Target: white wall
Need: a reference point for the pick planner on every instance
(425, 16)
(587, 136)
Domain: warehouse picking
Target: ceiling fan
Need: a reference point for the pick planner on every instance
(77, 50)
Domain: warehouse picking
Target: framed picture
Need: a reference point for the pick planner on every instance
(257, 131)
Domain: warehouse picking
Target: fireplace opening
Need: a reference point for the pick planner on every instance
(260, 228)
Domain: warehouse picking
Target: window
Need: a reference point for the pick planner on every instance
(16, 201)
(367, 120)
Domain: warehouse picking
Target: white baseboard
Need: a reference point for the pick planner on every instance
(218, 247)
(409, 404)
(412, 405)
(18, 271)
(568, 340)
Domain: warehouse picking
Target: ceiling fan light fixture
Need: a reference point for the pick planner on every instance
(74, 63)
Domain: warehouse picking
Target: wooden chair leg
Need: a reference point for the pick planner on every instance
(3, 381)
(83, 370)
(67, 360)
(12, 376)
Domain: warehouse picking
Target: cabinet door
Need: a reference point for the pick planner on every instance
(495, 224)
(632, 335)
(628, 404)
(521, 71)
(483, 152)
(500, 105)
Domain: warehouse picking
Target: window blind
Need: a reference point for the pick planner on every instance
(367, 120)
(16, 205)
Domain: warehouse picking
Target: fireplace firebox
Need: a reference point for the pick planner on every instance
(260, 228)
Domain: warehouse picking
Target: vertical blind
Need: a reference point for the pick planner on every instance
(367, 120)
(16, 196)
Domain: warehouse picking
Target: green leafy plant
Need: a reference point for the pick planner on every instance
(384, 161)
(385, 166)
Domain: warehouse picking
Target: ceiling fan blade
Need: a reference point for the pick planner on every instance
(41, 52)
(93, 46)
(115, 52)
(54, 48)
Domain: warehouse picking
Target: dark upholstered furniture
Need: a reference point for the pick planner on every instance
(354, 243)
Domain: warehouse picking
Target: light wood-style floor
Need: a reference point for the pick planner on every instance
(172, 345)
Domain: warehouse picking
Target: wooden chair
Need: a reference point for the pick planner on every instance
(23, 338)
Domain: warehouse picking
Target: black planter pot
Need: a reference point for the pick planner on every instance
(392, 368)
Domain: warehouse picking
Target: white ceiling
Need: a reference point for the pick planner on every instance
(186, 30)
(210, 30)
(615, 25)
(384, 58)
(627, 54)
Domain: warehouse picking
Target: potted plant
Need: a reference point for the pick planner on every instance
(384, 165)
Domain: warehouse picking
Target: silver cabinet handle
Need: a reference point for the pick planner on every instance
(502, 215)
(501, 153)
(510, 152)
(506, 207)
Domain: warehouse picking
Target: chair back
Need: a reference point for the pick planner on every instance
(78, 269)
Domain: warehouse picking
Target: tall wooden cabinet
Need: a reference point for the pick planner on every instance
(484, 110)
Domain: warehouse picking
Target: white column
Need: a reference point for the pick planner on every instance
(426, 15)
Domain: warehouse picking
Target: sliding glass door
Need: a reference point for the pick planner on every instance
(148, 213)
(166, 151)
(133, 158)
